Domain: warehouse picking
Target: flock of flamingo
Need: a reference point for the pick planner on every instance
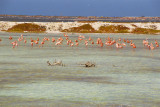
(119, 43)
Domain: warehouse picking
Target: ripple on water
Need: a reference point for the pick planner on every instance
(85, 92)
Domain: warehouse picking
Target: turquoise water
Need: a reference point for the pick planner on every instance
(122, 77)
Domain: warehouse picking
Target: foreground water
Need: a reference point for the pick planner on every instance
(122, 77)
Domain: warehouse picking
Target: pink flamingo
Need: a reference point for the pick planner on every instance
(92, 42)
(90, 39)
(157, 45)
(10, 38)
(128, 41)
(65, 35)
(53, 39)
(37, 39)
(14, 44)
(123, 44)
(118, 45)
(71, 44)
(134, 46)
(77, 44)
(25, 41)
(101, 44)
(151, 46)
(36, 42)
(21, 37)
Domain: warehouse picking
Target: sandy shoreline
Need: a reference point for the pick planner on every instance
(56, 27)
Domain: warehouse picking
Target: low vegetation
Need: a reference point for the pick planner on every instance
(27, 27)
(87, 28)
(114, 29)
(145, 31)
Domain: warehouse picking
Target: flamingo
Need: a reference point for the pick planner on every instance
(101, 44)
(134, 46)
(71, 44)
(10, 38)
(90, 39)
(128, 41)
(86, 43)
(76, 40)
(21, 37)
(65, 35)
(157, 45)
(60, 39)
(31, 39)
(31, 43)
(151, 46)
(37, 39)
(131, 44)
(25, 41)
(58, 43)
(36, 42)
(109, 39)
(92, 42)
(14, 44)
(77, 44)
(98, 40)
(145, 42)
(67, 42)
(42, 42)
(53, 39)
(123, 44)
(156, 42)
(118, 45)
(79, 38)
(67, 38)
(108, 44)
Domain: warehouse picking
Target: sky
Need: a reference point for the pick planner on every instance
(108, 8)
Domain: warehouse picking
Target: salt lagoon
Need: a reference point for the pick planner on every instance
(124, 77)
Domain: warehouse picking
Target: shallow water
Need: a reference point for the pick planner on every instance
(122, 77)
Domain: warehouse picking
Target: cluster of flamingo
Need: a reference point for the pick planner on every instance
(119, 43)
(150, 45)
